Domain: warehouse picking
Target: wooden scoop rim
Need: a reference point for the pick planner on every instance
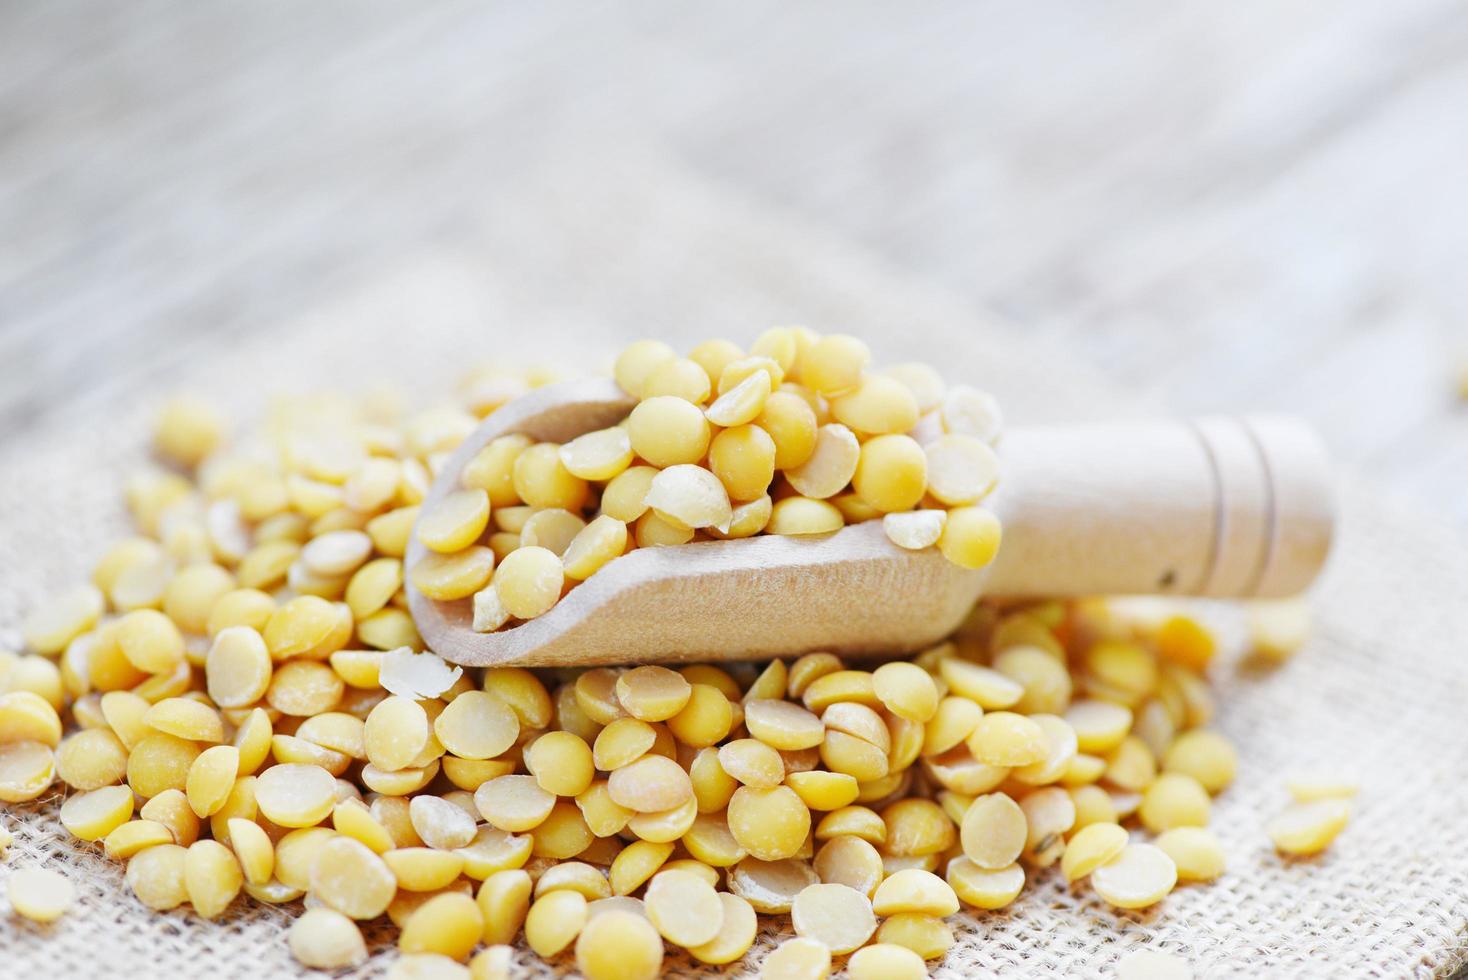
(446, 627)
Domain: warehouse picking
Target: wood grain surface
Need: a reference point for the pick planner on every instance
(1235, 207)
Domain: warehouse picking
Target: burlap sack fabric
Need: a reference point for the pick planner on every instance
(554, 270)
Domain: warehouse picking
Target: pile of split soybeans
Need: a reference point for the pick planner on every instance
(238, 708)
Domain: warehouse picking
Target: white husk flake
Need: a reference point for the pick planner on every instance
(417, 675)
(489, 612)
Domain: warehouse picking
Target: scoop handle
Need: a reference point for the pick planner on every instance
(1213, 506)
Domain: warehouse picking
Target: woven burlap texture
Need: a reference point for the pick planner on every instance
(549, 269)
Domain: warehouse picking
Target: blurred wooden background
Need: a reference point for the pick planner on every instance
(1257, 204)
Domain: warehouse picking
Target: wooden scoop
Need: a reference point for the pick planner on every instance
(1209, 507)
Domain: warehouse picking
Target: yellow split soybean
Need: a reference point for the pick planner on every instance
(212, 877)
(851, 861)
(514, 803)
(1205, 756)
(554, 921)
(324, 939)
(92, 816)
(91, 759)
(800, 958)
(171, 808)
(156, 876)
(985, 888)
(783, 725)
(440, 823)
(926, 935)
(561, 763)
(253, 849)
(652, 693)
(1174, 800)
(455, 522)
(449, 924)
(993, 831)
(1091, 847)
(160, 762)
(837, 916)
(914, 890)
(396, 733)
(39, 894)
(454, 576)
(737, 927)
(211, 778)
(1141, 875)
(1196, 852)
(886, 961)
(134, 836)
(684, 908)
(619, 945)
(1308, 828)
(477, 725)
(906, 690)
(770, 824)
(529, 581)
(296, 795)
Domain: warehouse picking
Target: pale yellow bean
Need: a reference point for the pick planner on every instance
(39, 894)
